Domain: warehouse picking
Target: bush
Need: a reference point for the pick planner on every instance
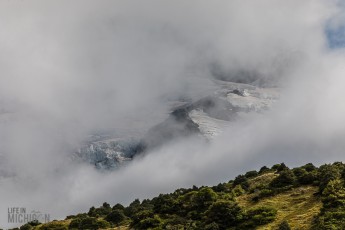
(116, 216)
(203, 199)
(264, 169)
(261, 215)
(212, 226)
(119, 207)
(326, 174)
(334, 194)
(284, 226)
(285, 178)
(74, 223)
(93, 223)
(309, 167)
(243, 181)
(238, 190)
(251, 174)
(133, 208)
(282, 167)
(26, 227)
(164, 204)
(263, 193)
(149, 223)
(224, 213)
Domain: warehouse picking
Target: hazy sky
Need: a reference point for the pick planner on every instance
(72, 68)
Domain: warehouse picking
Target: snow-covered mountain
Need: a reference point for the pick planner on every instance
(206, 117)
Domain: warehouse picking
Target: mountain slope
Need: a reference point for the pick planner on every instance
(206, 117)
(306, 197)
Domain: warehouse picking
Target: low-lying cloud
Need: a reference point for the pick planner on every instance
(69, 69)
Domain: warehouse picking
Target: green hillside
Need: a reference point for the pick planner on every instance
(279, 198)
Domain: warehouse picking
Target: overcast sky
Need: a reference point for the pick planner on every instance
(73, 68)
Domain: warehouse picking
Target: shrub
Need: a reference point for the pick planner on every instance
(93, 223)
(116, 216)
(224, 213)
(212, 226)
(26, 227)
(148, 223)
(118, 206)
(264, 169)
(334, 194)
(74, 223)
(284, 226)
(261, 215)
(282, 167)
(251, 174)
(238, 190)
(309, 167)
(241, 180)
(326, 174)
(285, 178)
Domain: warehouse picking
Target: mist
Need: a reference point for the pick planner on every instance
(69, 69)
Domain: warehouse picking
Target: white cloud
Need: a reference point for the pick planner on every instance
(69, 69)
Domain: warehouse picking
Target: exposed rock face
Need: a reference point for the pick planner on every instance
(208, 117)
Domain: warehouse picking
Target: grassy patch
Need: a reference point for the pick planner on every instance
(298, 206)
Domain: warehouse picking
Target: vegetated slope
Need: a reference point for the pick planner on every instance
(306, 197)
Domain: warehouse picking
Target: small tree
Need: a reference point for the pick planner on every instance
(116, 216)
(224, 213)
(284, 179)
(263, 170)
(243, 181)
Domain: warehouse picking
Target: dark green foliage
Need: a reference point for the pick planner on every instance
(305, 177)
(34, 223)
(263, 170)
(93, 223)
(116, 216)
(145, 219)
(74, 223)
(243, 181)
(142, 215)
(165, 204)
(225, 214)
(203, 199)
(175, 221)
(118, 207)
(284, 226)
(221, 187)
(148, 223)
(282, 167)
(326, 174)
(334, 194)
(275, 167)
(285, 178)
(251, 174)
(212, 226)
(261, 215)
(133, 208)
(331, 187)
(80, 215)
(26, 227)
(104, 210)
(309, 167)
(30, 225)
